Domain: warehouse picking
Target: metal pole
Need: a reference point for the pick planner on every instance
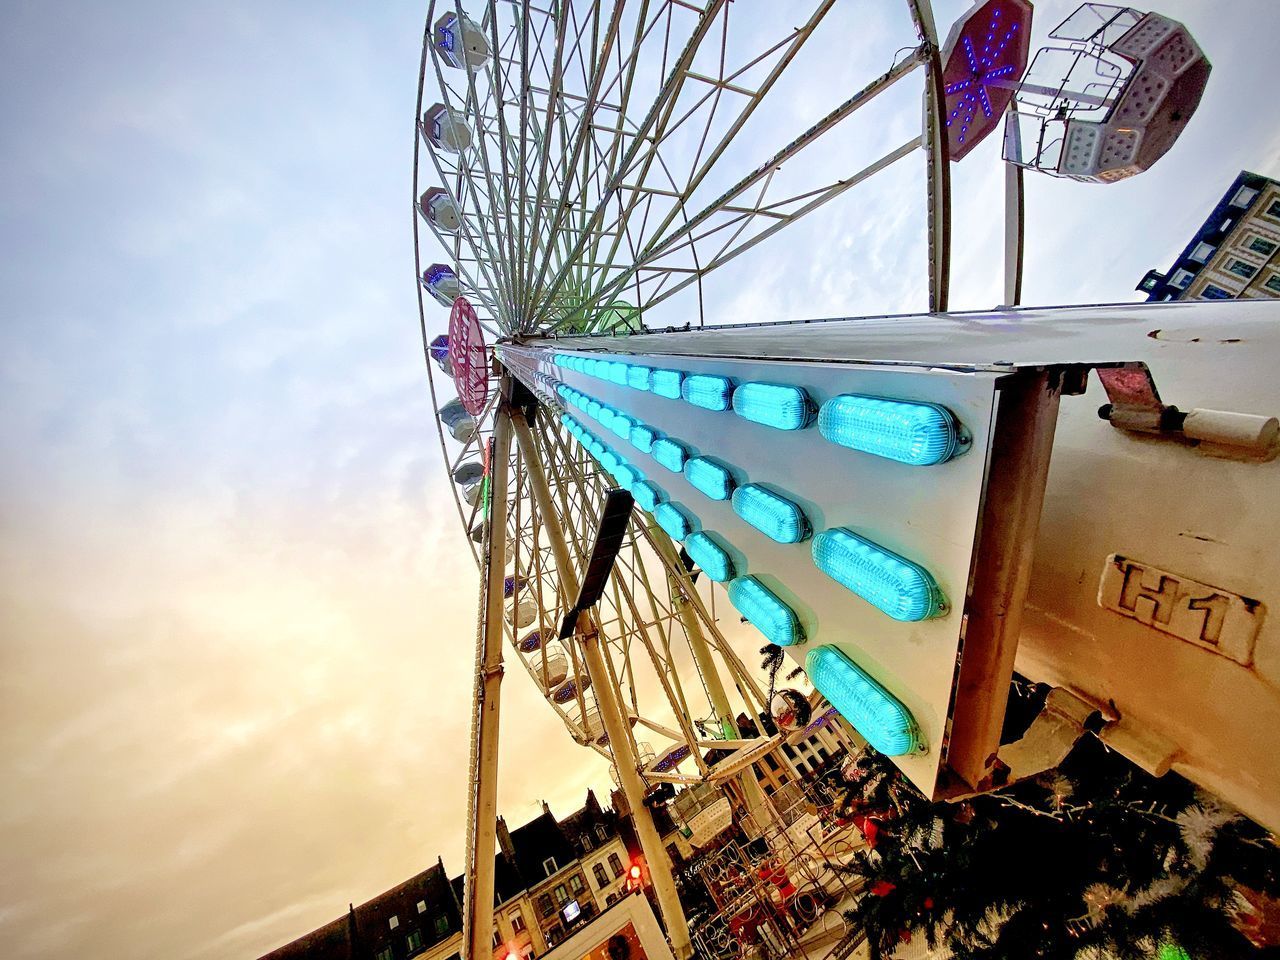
(1014, 210)
(478, 891)
(615, 722)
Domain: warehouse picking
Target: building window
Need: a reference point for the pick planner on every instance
(576, 884)
(602, 833)
(497, 938)
(586, 843)
(789, 750)
(545, 907)
(384, 954)
(1244, 196)
(1181, 278)
(561, 893)
(1274, 209)
(441, 925)
(1215, 293)
(549, 865)
(422, 906)
(615, 864)
(517, 923)
(413, 942)
(673, 852)
(1227, 224)
(1201, 252)
(1273, 283)
(823, 755)
(771, 763)
(1241, 269)
(395, 922)
(1263, 246)
(602, 881)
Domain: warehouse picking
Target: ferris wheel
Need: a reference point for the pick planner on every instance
(586, 168)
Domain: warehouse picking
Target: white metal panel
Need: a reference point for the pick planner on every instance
(926, 514)
(1155, 501)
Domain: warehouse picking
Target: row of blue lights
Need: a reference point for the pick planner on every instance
(895, 585)
(762, 608)
(910, 432)
(898, 587)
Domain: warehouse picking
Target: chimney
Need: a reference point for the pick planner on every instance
(504, 840)
(546, 808)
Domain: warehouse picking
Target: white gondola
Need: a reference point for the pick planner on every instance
(568, 691)
(468, 473)
(439, 209)
(1110, 100)
(460, 42)
(554, 671)
(442, 283)
(461, 425)
(446, 128)
(523, 613)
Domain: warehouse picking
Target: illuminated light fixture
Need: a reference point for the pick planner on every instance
(772, 514)
(642, 437)
(593, 409)
(638, 377)
(672, 454)
(674, 520)
(874, 712)
(709, 477)
(914, 433)
(762, 608)
(625, 474)
(589, 367)
(707, 391)
(647, 495)
(774, 405)
(618, 373)
(608, 459)
(605, 416)
(902, 589)
(666, 383)
(621, 424)
(708, 554)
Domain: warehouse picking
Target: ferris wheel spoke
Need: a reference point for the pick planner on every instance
(661, 107)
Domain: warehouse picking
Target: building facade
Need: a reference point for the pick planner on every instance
(550, 878)
(1233, 256)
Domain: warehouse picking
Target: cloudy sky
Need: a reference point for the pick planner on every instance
(235, 607)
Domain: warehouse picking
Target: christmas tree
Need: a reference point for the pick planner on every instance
(1096, 859)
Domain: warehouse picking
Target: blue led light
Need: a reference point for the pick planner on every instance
(774, 405)
(708, 554)
(914, 433)
(621, 424)
(638, 377)
(605, 416)
(707, 391)
(593, 409)
(625, 475)
(670, 453)
(590, 366)
(618, 373)
(647, 495)
(772, 514)
(777, 621)
(872, 710)
(642, 437)
(902, 589)
(674, 520)
(666, 383)
(710, 477)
